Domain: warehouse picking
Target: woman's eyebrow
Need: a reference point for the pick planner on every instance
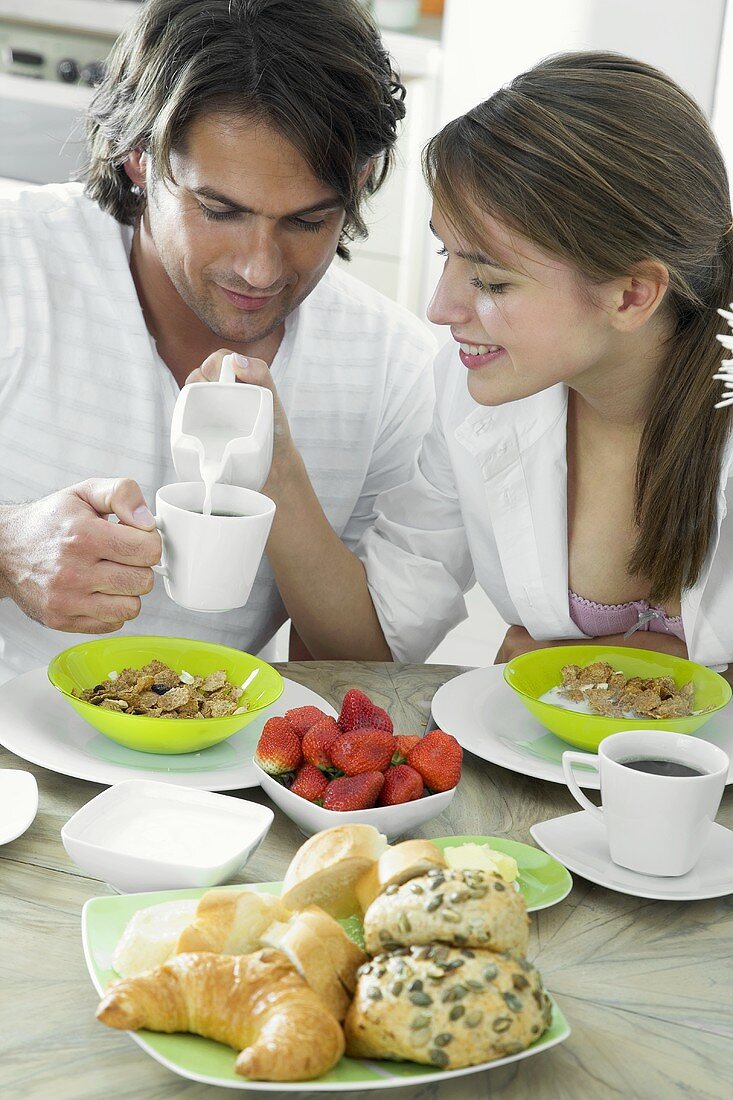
(479, 258)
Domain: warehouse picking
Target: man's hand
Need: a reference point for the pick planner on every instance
(66, 566)
(517, 640)
(257, 373)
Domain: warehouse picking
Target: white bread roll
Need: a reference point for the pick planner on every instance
(150, 937)
(325, 870)
(322, 953)
(396, 865)
(231, 922)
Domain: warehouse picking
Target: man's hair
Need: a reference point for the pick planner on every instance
(314, 70)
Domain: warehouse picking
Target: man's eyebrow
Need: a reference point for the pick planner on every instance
(315, 208)
(479, 258)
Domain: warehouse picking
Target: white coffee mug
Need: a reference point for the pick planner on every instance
(655, 824)
(209, 563)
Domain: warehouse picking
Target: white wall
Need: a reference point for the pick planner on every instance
(486, 43)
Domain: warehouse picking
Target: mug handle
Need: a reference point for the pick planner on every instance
(161, 569)
(568, 759)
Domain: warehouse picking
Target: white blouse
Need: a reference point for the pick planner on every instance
(489, 502)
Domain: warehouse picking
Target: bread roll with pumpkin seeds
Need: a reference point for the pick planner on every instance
(465, 908)
(446, 1006)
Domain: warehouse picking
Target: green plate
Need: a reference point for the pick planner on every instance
(542, 880)
(104, 920)
(83, 666)
(532, 674)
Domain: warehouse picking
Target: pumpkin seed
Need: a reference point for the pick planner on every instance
(401, 951)
(363, 969)
(421, 952)
(451, 916)
(374, 993)
(396, 988)
(416, 888)
(501, 1023)
(391, 890)
(378, 971)
(455, 993)
(439, 1058)
(490, 972)
(421, 1020)
(436, 972)
(420, 998)
(468, 953)
(404, 923)
(414, 986)
(519, 981)
(456, 897)
(459, 938)
(433, 904)
(441, 953)
(513, 1001)
(455, 1013)
(443, 1039)
(475, 985)
(434, 872)
(437, 881)
(474, 1018)
(454, 964)
(500, 887)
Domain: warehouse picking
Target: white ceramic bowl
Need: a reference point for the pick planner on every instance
(393, 821)
(142, 835)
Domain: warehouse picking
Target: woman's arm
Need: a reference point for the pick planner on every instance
(518, 640)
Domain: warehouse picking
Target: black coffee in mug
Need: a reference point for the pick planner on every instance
(661, 767)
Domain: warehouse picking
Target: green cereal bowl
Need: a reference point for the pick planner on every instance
(85, 665)
(532, 674)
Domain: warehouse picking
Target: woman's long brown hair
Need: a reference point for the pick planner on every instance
(606, 163)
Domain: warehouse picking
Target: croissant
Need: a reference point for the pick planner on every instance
(257, 1004)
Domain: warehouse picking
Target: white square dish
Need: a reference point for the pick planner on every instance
(143, 835)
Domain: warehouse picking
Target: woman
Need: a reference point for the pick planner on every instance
(574, 467)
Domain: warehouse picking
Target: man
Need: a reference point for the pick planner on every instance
(231, 145)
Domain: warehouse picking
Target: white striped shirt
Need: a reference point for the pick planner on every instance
(83, 393)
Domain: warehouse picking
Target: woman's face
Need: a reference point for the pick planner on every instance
(522, 318)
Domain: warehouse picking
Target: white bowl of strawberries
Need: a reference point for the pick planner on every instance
(323, 771)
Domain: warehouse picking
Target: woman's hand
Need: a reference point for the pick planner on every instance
(256, 372)
(517, 640)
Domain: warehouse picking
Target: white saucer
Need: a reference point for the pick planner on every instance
(485, 716)
(579, 841)
(39, 726)
(18, 803)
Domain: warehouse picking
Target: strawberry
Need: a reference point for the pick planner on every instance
(302, 718)
(405, 742)
(362, 751)
(278, 749)
(401, 784)
(310, 783)
(317, 743)
(353, 792)
(437, 757)
(358, 712)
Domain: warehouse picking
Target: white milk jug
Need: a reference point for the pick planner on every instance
(222, 433)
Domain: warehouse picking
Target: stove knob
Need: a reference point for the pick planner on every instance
(67, 70)
(92, 73)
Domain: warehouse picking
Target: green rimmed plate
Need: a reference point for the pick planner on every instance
(543, 881)
(105, 918)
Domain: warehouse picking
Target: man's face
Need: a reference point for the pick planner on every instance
(246, 231)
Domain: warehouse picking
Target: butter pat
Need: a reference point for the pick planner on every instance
(482, 857)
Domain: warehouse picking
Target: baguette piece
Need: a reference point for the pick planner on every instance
(257, 1004)
(151, 936)
(231, 922)
(325, 870)
(446, 1007)
(322, 953)
(398, 864)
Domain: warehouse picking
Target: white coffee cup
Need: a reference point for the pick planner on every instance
(655, 824)
(209, 562)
